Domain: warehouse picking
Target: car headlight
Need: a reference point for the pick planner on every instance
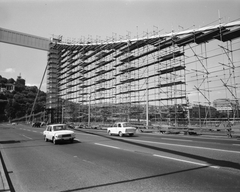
(58, 136)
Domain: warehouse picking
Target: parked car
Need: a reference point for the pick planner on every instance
(58, 132)
(121, 129)
(36, 124)
(42, 124)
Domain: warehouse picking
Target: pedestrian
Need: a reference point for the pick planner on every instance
(229, 130)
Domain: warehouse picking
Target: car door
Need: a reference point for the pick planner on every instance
(118, 128)
(114, 128)
(49, 133)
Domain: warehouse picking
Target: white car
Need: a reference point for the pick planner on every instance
(121, 129)
(58, 132)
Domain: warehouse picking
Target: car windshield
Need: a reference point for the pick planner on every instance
(59, 128)
(127, 125)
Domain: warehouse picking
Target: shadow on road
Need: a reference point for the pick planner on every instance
(9, 142)
(6, 172)
(132, 180)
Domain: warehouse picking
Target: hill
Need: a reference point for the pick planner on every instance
(16, 99)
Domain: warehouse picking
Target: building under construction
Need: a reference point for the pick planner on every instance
(142, 77)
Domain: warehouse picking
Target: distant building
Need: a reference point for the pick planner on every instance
(11, 86)
(7, 87)
(20, 81)
(225, 105)
(203, 111)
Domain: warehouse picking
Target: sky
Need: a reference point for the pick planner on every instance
(98, 19)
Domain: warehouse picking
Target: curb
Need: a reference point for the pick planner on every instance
(4, 187)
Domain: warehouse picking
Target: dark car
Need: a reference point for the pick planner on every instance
(36, 124)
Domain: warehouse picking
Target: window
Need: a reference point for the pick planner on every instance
(59, 128)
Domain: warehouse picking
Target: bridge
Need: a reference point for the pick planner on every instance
(23, 39)
(147, 74)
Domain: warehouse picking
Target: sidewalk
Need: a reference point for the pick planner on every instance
(4, 187)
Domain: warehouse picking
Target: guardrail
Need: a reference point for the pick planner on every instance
(220, 129)
(192, 130)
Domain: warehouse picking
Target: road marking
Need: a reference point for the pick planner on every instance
(88, 161)
(166, 157)
(237, 144)
(187, 146)
(185, 161)
(107, 146)
(27, 137)
(177, 139)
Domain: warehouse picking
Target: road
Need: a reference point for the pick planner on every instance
(102, 163)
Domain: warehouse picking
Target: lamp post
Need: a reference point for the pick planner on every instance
(62, 113)
(89, 110)
(63, 108)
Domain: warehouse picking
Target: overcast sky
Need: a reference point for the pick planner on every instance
(98, 19)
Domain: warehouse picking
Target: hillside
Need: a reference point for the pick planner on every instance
(19, 102)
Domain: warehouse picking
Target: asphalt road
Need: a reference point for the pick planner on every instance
(102, 163)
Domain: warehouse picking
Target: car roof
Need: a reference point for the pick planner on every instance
(57, 124)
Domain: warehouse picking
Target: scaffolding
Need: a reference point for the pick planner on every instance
(130, 79)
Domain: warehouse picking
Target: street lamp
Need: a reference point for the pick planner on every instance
(89, 110)
(63, 108)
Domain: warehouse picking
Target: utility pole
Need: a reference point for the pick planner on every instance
(63, 108)
(89, 110)
(147, 104)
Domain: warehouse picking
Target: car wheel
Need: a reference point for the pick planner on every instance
(45, 138)
(120, 134)
(109, 133)
(54, 141)
(71, 140)
(131, 134)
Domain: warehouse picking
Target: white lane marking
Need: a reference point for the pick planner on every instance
(177, 139)
(187, 146)
(185, 161)
(88, 161)
(27, 137)
(237, 144)
(106, 145)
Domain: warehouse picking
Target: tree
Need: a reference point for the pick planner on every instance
(135, 112)
(18, 103)
(3, 81)
(11, 80)
(3, 103)
(106, 112)
(9, 110)
(19, 87)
